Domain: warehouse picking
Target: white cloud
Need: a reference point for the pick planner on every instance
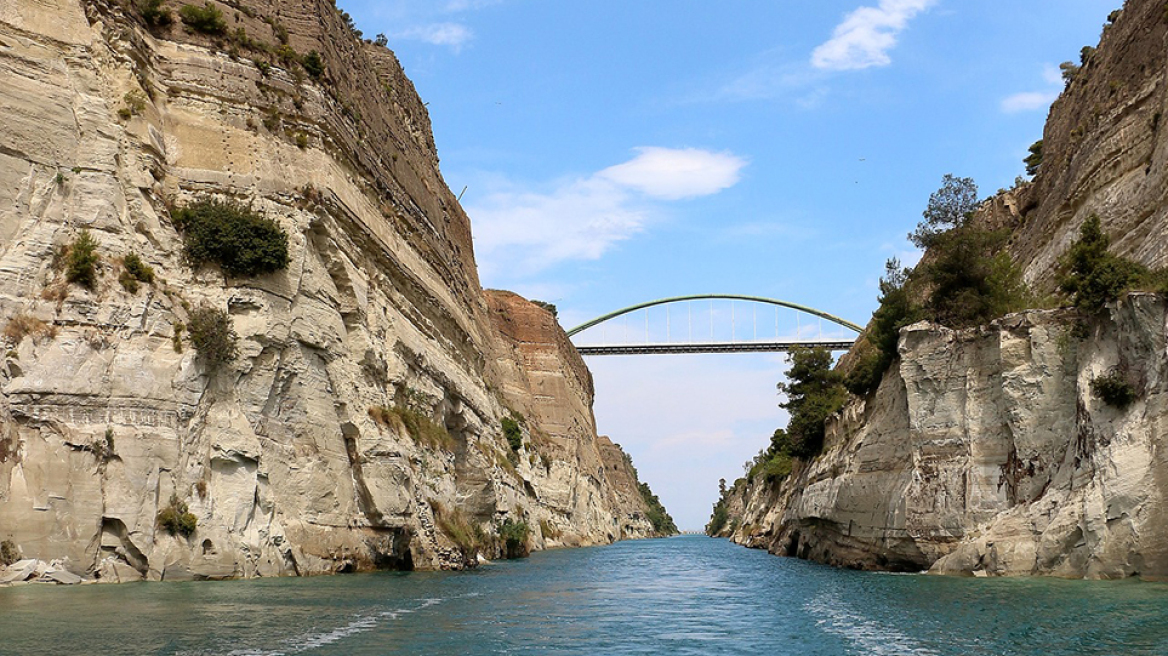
(520, 232)
(1052, 74)
(454, 35)
(1028, 101)
(866, 35)
(673, 174)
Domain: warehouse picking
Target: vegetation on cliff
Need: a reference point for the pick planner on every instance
(176, 519)
(213, 336)
(967, 278)
(1093, 277)
(514, 536)
(656, 513)
(81, 261)
(815, 391)
(233, 236)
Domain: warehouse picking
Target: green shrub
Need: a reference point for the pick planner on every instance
(656, 514)
(971, 278)
(134, 271)
(895, 312)
(719, 518)
(8, 553)
(550, 307)
(176, 336)
(135, 102)
(206, 19)
(1094, 277)
(176, 518)
(154, 12)
(1034, 159)
(313, 63)
(81, 261)
(213, 336)
(235, 237)
(1114, 389)
(776, 468)
(814, 392)
(514, 536)
(513, 433)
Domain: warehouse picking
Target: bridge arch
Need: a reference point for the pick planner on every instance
(716, 297)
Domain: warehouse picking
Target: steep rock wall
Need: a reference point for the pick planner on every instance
(103, 419)
(985, 451)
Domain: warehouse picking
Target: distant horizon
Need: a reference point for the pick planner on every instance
(615, 153)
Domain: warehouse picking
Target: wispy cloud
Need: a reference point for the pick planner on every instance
(520, 232)
(453, 35)
(866, 35)
(673, 174)
(1029, 101)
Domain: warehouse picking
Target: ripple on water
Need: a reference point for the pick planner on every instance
(686, 595)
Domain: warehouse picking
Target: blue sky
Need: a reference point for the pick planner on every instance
(617, 152)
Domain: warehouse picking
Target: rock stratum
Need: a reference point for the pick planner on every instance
(985, 451)
(285, 457)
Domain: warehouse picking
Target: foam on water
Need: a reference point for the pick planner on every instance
(872, 637)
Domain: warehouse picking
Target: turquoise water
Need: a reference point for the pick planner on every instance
(685, 595)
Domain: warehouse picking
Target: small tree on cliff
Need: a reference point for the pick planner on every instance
(814, 392)
(1093, 276)
(949, 207)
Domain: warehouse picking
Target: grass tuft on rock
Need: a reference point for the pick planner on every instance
(213, 336)
(421, 428)
(176, 518)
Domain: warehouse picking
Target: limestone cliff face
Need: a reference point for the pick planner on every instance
(985, 451)
(103, 419)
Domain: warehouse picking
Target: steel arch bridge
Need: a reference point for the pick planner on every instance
(713, 346)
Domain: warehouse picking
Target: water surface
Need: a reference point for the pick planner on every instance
(684, 595)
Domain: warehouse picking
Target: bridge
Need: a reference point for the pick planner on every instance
(670, 337)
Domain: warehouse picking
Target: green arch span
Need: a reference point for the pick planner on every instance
(716, 297)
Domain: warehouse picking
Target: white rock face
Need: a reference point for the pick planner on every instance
(103, 419)
(988, 452)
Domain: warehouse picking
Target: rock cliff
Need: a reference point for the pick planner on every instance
(364, 412)
(985, 450)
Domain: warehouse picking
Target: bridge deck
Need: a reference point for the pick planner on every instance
(712, 347)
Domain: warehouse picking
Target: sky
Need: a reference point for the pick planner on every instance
(613, 152)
